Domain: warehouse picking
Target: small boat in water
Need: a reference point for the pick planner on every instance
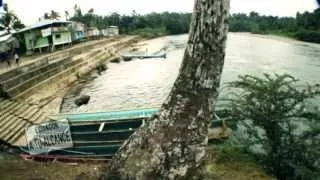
(95, 136)
(129, 57)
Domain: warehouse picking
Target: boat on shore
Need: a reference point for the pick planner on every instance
(96, 136)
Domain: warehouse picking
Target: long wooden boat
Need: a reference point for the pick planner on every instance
(96, 136)
(128, 57)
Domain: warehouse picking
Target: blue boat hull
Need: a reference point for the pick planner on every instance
(99, 135)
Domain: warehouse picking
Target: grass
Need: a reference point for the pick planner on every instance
(14, 168)
(227, 162)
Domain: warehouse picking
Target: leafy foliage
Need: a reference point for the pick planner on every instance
(169, 23)
(53, 15)
(305, 26)
(10, 20)
(150, 32)
(290, 128)
(309, 36)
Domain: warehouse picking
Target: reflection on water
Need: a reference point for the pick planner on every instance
(146, 83)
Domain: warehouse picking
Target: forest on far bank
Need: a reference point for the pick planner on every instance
(305, 26)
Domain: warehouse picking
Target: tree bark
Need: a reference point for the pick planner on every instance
(171, 144)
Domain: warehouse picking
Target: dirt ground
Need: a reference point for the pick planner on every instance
(221, 166)
(14, 168)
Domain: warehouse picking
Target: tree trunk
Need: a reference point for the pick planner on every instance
(171, 145)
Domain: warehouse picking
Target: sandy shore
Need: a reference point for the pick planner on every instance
(269, 36)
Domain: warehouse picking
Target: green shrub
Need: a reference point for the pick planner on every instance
(150, 32)
(308, 35)
(274, 110)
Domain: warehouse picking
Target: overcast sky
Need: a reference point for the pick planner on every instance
(30, 10)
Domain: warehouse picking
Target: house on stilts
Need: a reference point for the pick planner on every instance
(46, 35)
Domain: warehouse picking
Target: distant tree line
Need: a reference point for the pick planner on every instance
(305, 26)
(161, 23)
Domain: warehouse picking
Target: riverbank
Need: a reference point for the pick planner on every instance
(310, 36)
(35, 89)
(150, 33)
(120, 87)
(27, 59)
(286, 36)
(282, 38)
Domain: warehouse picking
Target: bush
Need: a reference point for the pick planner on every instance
(150, 32)
(175, 27)
(273, 111)
(308, 35)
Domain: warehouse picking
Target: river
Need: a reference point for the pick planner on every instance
(146, 83)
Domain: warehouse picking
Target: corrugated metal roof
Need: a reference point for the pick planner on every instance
(5, 37)
(43, 23)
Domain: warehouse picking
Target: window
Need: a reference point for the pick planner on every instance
(58, 36)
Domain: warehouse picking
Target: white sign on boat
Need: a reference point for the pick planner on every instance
(48, 136)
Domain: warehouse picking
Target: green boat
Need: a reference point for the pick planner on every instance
(96, 136)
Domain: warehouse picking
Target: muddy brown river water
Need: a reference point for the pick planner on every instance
(146, 83)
